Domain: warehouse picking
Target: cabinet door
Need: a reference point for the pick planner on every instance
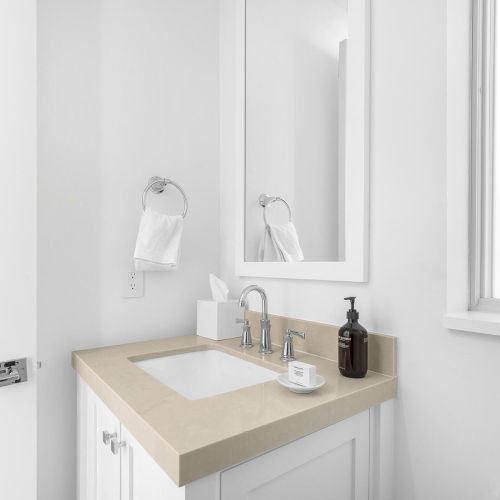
(107, 462)
(98, 467)
(142, 478)
(331, 464)
(86, 446)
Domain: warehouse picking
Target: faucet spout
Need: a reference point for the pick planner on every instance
(265, 324)
(263, 296)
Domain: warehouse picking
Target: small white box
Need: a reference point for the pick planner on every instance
(302, 373)
(217, 320)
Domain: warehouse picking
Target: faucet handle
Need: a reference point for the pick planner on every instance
(288, 353)
(290, 332)
(246, 334)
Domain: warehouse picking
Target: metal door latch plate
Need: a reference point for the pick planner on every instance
(13, 372)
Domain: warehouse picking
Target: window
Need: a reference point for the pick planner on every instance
(484, 269)
(496, 166)
(472, 198)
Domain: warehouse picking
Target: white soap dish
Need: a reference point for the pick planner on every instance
(299, 389)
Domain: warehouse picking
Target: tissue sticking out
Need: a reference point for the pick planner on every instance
(220, 292)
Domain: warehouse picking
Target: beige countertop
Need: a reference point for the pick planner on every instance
(190, 439)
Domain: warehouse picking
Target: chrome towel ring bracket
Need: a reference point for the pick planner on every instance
(157, 185)
(265, 200)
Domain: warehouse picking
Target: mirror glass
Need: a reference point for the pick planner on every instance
(295, 76)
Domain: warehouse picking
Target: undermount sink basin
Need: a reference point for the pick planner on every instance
(201, 374)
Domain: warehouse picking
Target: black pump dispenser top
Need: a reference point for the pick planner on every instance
(352, 314)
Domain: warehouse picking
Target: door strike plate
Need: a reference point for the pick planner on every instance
(13, 372)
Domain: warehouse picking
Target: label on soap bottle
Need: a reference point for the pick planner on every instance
(344, 349)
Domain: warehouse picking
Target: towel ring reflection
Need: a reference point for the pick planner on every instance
(265, 200)
(158, 185)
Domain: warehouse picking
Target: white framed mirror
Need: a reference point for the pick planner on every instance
(295, 125)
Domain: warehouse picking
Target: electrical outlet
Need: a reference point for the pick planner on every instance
(134, 285)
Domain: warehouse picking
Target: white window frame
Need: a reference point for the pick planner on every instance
(470, 306)
(482, 157)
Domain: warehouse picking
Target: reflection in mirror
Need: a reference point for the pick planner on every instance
(295, 134)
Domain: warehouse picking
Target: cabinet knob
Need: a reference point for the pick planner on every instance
(107, 437)
(116, 445)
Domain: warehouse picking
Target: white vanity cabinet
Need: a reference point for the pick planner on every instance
(120, 468)
(332, 463)
(329, 464)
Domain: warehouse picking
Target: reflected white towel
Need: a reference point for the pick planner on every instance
(280, 243)
(267, 249)
(286, 240)
(158, 242)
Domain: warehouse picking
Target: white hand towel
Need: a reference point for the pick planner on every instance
(158, 242)
(286, 241)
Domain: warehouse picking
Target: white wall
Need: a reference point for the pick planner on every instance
(127, 90)
(448, 409)
(18, 248)
(68, 225)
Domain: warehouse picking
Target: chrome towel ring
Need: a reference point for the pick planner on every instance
(265, 200)
(157, 185)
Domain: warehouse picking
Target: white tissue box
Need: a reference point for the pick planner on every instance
(217, 320)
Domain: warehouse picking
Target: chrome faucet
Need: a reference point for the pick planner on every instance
(265, 324)
(288, 353)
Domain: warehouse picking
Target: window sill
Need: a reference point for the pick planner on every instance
(474, 321)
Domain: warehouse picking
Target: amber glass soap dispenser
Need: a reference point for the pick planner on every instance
(353, 345)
